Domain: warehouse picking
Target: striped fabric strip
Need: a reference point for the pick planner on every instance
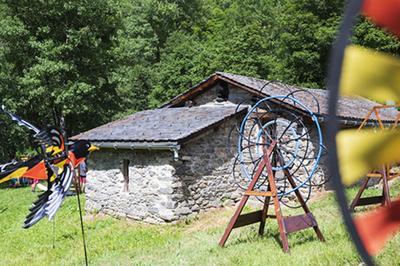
(370, 74)
(362, 151)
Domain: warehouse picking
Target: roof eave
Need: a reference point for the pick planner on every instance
(132, 145)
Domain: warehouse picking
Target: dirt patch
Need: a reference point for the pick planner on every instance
(320, 195)
(210, 219)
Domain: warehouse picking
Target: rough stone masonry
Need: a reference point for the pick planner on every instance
(161, 189)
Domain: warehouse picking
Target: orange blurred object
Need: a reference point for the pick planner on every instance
(385, 13)
(375, 228)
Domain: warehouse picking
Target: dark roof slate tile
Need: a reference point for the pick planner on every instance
(162, 125)
(350, 108)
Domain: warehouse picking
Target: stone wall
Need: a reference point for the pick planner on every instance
(151, 180)
(161, 189)
(240, 96)
(236, 96)
(205, 171)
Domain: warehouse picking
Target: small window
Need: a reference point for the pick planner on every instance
(125, 173)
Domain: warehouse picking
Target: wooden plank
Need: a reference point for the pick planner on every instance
(374, 175)
(370, 200)
(233, 220)
(385, 186)
(248, 218)
(357, 198)
(264, 213)
(191, 93)
(299, 222)
(277, 207)
(260, 193)
(300, 197)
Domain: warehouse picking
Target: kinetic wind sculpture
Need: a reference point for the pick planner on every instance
(55, 163)
(275, 158)
(358, 71)
(382, 174)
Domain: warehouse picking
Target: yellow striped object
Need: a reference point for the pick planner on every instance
(371, 74)
(362, 151)
(16, 174)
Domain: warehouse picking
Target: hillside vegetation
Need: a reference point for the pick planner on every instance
(80, 63)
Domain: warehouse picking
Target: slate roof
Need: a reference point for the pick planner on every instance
(171, 125)
(168, 127)
(350, 109)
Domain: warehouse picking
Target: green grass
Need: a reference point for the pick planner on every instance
(195, 242)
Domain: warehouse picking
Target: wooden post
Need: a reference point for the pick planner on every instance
(383, 199)
(286, 224)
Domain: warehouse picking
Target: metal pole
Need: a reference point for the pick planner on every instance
(81, 219)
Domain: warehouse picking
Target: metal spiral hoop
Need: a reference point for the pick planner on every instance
(298, 143)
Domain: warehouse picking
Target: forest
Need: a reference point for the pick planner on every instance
(80, 64)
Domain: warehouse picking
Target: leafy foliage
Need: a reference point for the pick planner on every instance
(58, 60)
(88, 62)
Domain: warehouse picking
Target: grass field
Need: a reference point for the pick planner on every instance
(193, 242)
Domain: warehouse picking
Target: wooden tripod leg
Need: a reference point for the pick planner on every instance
(356, 200)
(264, 213)
(242, 203)
(385, 188)
(277, 207)
(281, 224)
(300, 197)
(304, 206)
(233, 220)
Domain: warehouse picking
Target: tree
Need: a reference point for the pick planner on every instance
(304, 31)
(135, 56)
(59, 60)
(369, 35)
(234, 39)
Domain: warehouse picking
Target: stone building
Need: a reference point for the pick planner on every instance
(165, 164)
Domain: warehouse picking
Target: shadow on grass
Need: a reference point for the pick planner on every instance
(3, 210)
(295, 239)
(301, 238)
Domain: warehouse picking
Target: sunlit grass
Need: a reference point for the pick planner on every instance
(194, 242)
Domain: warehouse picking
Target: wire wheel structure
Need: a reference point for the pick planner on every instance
(277, 155)
(356, 154)
(297, 143)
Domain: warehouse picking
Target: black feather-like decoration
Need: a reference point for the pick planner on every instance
(50, 136)
(50, 201)
(20, 121)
